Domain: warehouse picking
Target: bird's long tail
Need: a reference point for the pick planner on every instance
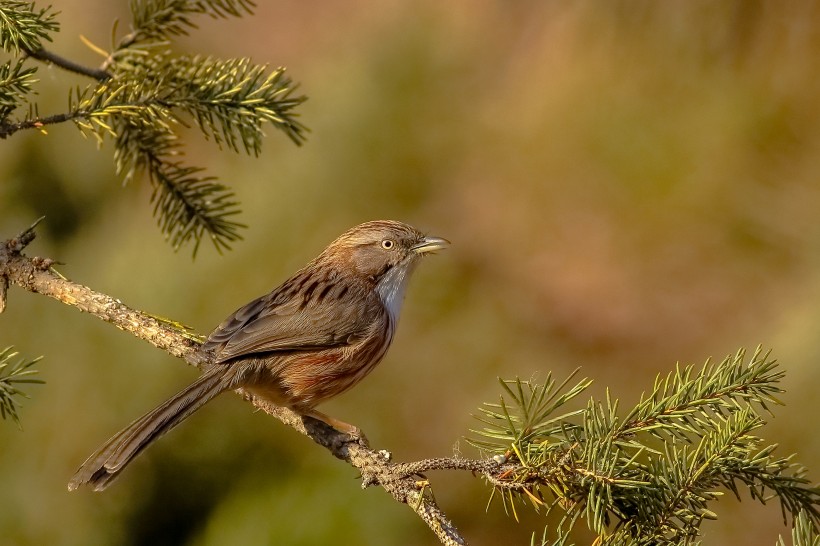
(102, 467)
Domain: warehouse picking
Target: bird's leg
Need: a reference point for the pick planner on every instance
(353, 431)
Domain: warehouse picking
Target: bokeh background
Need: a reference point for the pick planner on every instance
(626, 185)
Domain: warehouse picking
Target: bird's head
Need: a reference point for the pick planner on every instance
(384, 252)
(374, 248)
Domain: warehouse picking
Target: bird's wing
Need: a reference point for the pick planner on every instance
(294, 322)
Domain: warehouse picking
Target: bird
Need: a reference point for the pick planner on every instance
(310, 339)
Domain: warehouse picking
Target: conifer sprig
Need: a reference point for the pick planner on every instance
(229, 100)
(652, 475)
(188, 204)
(23, 27)
(14, 373)
(16, 81)
(143, 94)
(157, 19)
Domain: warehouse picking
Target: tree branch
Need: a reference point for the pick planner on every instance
(44, 55)
(8, 129)
(401, 480)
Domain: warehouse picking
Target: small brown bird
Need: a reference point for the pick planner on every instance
(312, 338)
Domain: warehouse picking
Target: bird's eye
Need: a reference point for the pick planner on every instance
(387, 244)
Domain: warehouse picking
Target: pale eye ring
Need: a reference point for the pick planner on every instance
(388, 244)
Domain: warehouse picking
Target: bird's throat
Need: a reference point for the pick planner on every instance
(392, 285)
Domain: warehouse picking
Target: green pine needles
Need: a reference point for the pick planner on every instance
(143, 93)
(649, 475)
(23, 27)
(14, 373)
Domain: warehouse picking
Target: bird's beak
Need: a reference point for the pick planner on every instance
(430, 244)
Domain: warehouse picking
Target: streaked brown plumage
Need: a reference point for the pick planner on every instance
(312, 338)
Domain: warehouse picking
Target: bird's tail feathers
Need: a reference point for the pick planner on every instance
(102, 467)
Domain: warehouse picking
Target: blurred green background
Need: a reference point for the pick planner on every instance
(626, 185)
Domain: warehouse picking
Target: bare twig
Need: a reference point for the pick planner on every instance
(398, 479)
(44, 55)
(4, 286)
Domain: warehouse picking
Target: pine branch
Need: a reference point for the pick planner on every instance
(92, 110)
(686, 480)
(678, 402)
(641, 470)
(46, 56)
(229, 100)
(142, 103)
(780, 478)
(159, 19)
(12, 376)
(15, 83)
(527, 419)
(143, 94)
(7, 129)
(23, 27)
(188, 206)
